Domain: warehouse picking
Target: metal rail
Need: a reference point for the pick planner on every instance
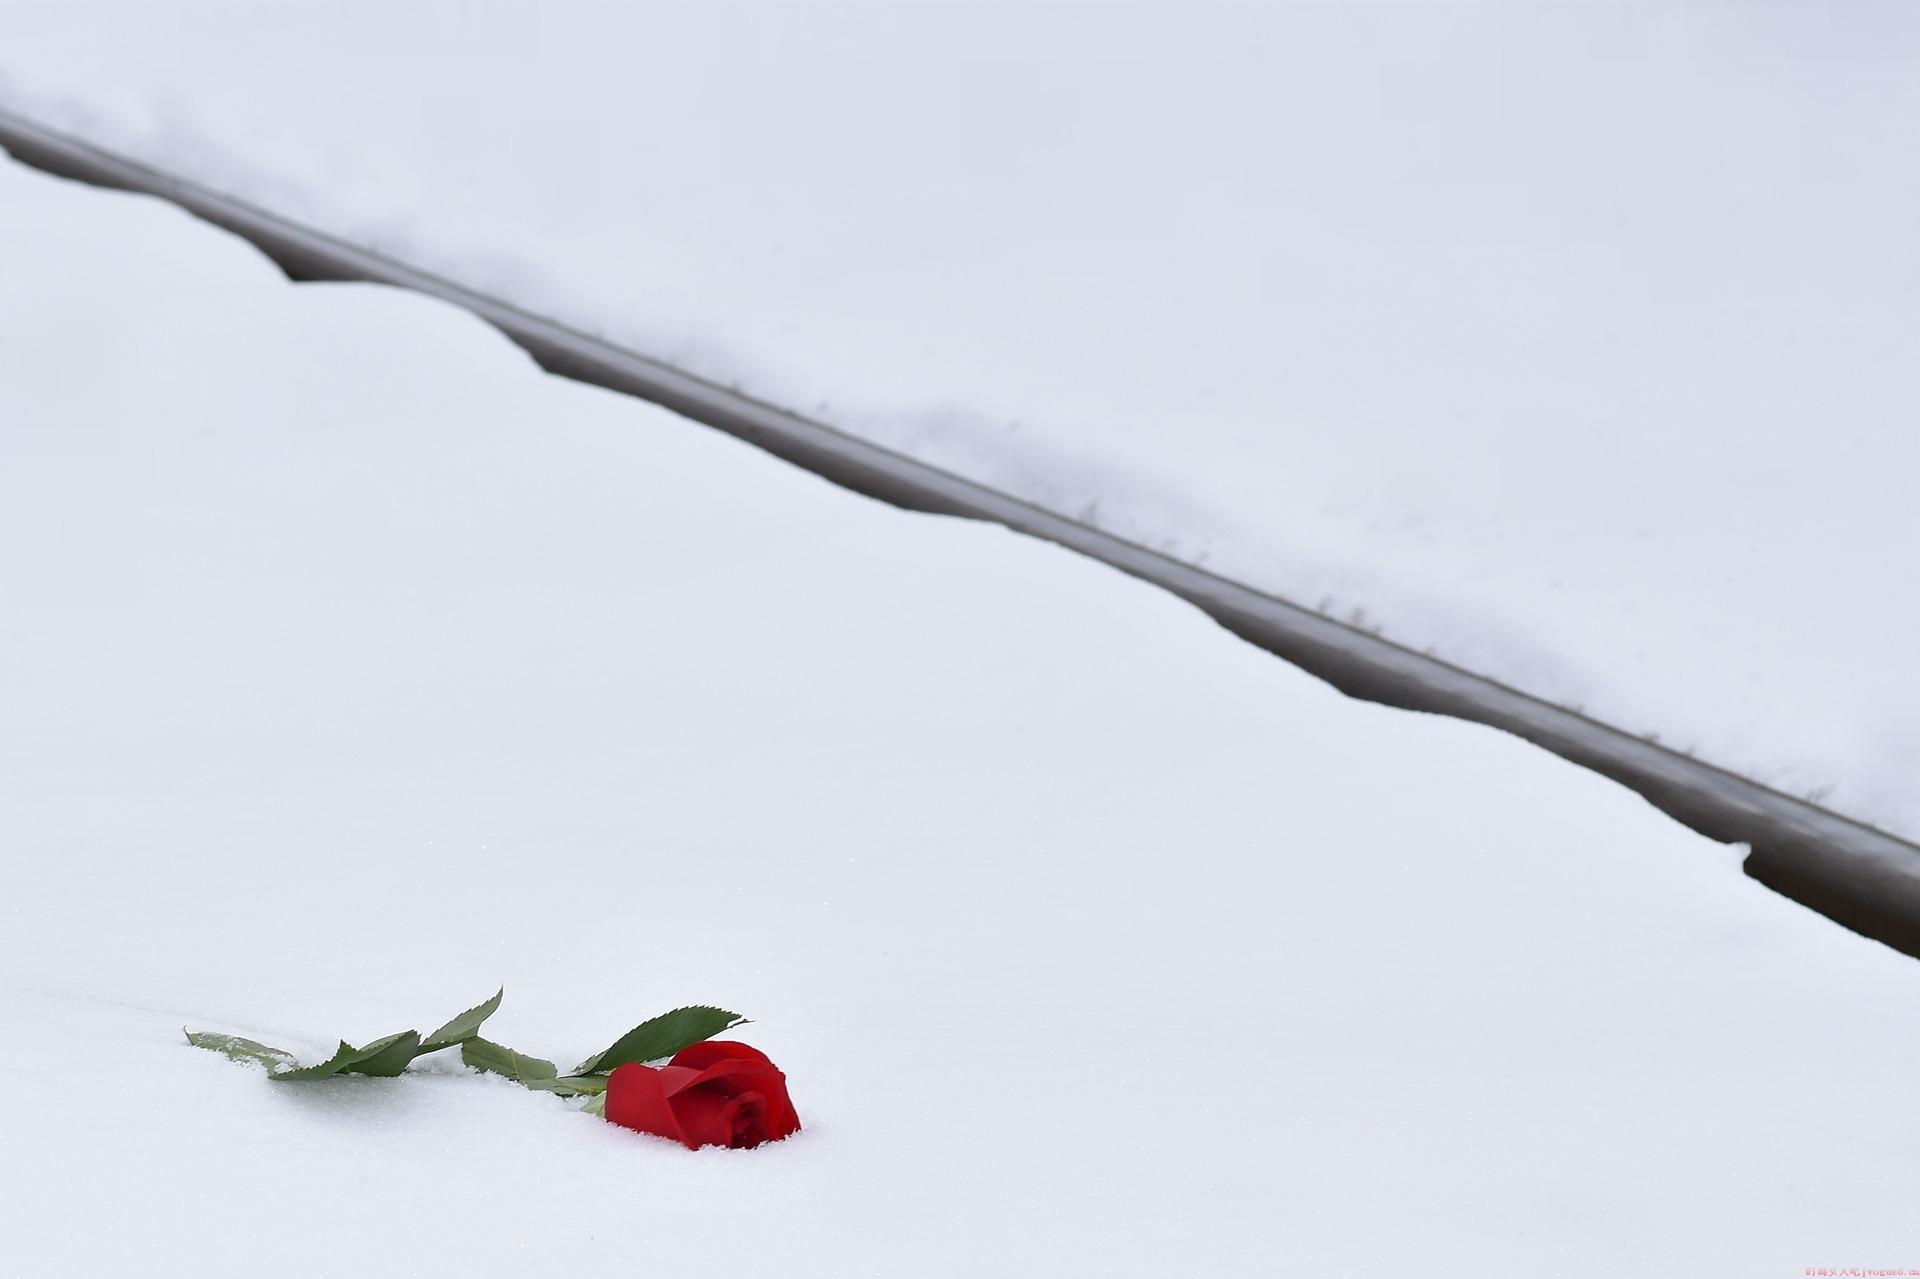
(1862, 877)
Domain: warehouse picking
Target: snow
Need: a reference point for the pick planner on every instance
(350, 667)
(1573, 342)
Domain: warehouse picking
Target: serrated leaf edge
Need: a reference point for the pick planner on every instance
(598, 1064)
(453, 1033)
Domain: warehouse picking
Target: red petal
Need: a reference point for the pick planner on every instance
(705, 1115)
(743, 1068)
(637, 1099)
(675, 1079)
(713, 1116)
(709, 1051)
(747, 1121)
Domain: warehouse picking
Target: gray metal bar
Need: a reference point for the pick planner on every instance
(1864, 878)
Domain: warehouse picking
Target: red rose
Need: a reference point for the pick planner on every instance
(712, 1094)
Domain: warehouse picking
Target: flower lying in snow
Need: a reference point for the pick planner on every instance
(711, 1094)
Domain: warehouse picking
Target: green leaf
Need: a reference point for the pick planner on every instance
(531, 1072)
(331, 1066)
(571, 1086)
(498, 1059)
(275, 1060)
(385, 1058)
(663, 1036)
(463, 1027)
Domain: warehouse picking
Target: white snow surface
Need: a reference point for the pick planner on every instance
(349, 666)
(1574, 342)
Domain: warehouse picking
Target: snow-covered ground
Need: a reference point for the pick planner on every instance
(349, 666)
(1575, 342)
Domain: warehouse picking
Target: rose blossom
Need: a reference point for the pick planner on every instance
(712, 1094)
